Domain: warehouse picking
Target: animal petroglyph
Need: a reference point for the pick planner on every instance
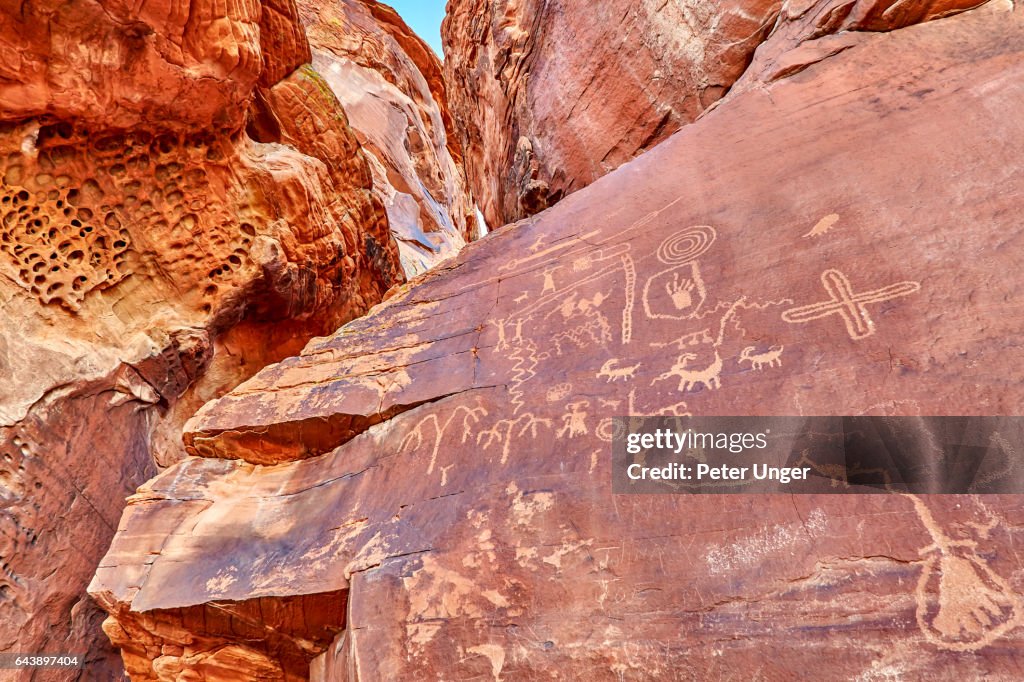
(771, 357)
(709, 377)
(973, 605)
(847, 304)
(612, 372)
(823, 225)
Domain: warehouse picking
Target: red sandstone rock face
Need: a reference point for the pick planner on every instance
(552, 95)
(153, 254)
(453, 483)
(391, 86)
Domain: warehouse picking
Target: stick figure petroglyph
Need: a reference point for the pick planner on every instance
(415, 437)
(503, 431)
(847, 304)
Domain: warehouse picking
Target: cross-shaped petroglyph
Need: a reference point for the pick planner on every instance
(847, 304)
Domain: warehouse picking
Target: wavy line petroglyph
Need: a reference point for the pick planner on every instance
(973, 606)
(851, 307)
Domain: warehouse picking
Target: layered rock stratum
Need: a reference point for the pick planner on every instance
(426, 493)
(182, 202)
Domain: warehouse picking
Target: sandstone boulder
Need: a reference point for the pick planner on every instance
(442, 465)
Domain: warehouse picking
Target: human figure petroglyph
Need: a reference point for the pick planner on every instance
(612, 372)
(507, 340)
(974, 605)
(771, 357)
(575, 422)
(850, 306)
(502, 432)
(549, 279)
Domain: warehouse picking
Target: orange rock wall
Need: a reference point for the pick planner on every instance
(442, 464)
(182, 201)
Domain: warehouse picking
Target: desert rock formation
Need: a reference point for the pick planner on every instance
(391, 86)
(550, 96)
(425, 494)
(182, 202)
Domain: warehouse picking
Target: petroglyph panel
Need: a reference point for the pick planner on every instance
(479, 488)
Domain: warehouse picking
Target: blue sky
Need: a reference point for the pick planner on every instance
(424, 17)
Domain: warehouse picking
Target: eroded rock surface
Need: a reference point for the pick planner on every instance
(393, 91)
(444, 461)
(153, 254)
